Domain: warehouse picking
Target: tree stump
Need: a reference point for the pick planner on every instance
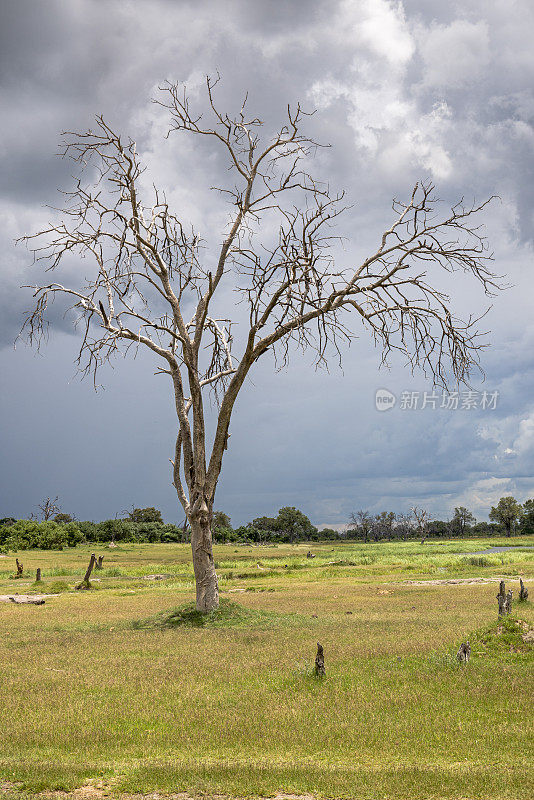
(20, 569)
(38, 575)
(508, 602)
(523, 591)
(501, 599)
(463, 653)
(86, 584)
(99, 561)
(319, 661)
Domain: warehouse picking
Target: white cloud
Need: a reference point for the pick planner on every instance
(454, 55)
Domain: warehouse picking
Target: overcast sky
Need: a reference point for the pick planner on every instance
(404, 91)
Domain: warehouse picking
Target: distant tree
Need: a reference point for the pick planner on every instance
(527, 518)
(47, 509)
(404, 526)
(221, 527)
(507, 512)
(383, 525)
(149, 514)
(421, 521)
(361, 523)
(295, 524)
(461, 520)
(63, 519)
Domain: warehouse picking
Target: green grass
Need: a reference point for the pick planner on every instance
(130, 687)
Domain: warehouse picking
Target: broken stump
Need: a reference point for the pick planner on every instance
(319, 661)
(523, 591)
(508, 602)
(86, 584)
(463, 653)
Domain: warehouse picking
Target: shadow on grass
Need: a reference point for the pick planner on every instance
(228, 615)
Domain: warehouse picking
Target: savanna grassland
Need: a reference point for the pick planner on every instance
(126, 690)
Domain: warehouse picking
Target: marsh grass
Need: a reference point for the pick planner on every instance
(123, 685)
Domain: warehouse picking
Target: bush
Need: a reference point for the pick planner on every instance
(26, 534)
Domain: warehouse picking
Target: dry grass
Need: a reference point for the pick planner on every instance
(91, 689)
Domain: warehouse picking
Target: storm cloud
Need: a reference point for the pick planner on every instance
(404, 91)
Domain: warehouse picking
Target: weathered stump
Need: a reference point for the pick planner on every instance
(508, 602)
(86, 584)
(38, 575)
(501, 599)
(20, 569)
(99, 561)
(463, 653)
(319, 661)
(523, 591)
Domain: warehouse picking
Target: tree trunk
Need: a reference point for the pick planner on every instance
(205, 576)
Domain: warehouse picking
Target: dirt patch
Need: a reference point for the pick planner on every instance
(92, 792)
(457, 581)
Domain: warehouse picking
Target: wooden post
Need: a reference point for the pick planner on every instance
(85, 584)
(20, 569)
(38, 575)
(319, 661)
(523, 591)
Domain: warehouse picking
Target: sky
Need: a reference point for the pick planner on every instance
(403, 92)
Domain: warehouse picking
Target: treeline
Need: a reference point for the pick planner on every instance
(289, 526)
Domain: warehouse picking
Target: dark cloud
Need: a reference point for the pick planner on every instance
(404, 91)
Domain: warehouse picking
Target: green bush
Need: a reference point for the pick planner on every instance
(27, 534)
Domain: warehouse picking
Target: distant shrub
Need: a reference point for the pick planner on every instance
(27, 534)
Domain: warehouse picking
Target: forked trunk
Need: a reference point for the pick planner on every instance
(205, 576)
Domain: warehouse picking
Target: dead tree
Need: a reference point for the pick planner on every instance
(38, 575)
(523, 591)
(20, 569)
(86, 583)
(319, 661)
(99, 561)
(48, 508)
(422, 518)
(152, 287)
(464, 653)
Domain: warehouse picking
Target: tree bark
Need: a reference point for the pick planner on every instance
(207, 584)
(38, 575)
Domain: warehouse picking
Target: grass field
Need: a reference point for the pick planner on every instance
(116, 690)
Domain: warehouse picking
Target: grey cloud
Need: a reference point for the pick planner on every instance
(62, 62)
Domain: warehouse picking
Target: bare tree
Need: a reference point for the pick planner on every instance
(152, 287)
(48, 508)
(422, 518)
